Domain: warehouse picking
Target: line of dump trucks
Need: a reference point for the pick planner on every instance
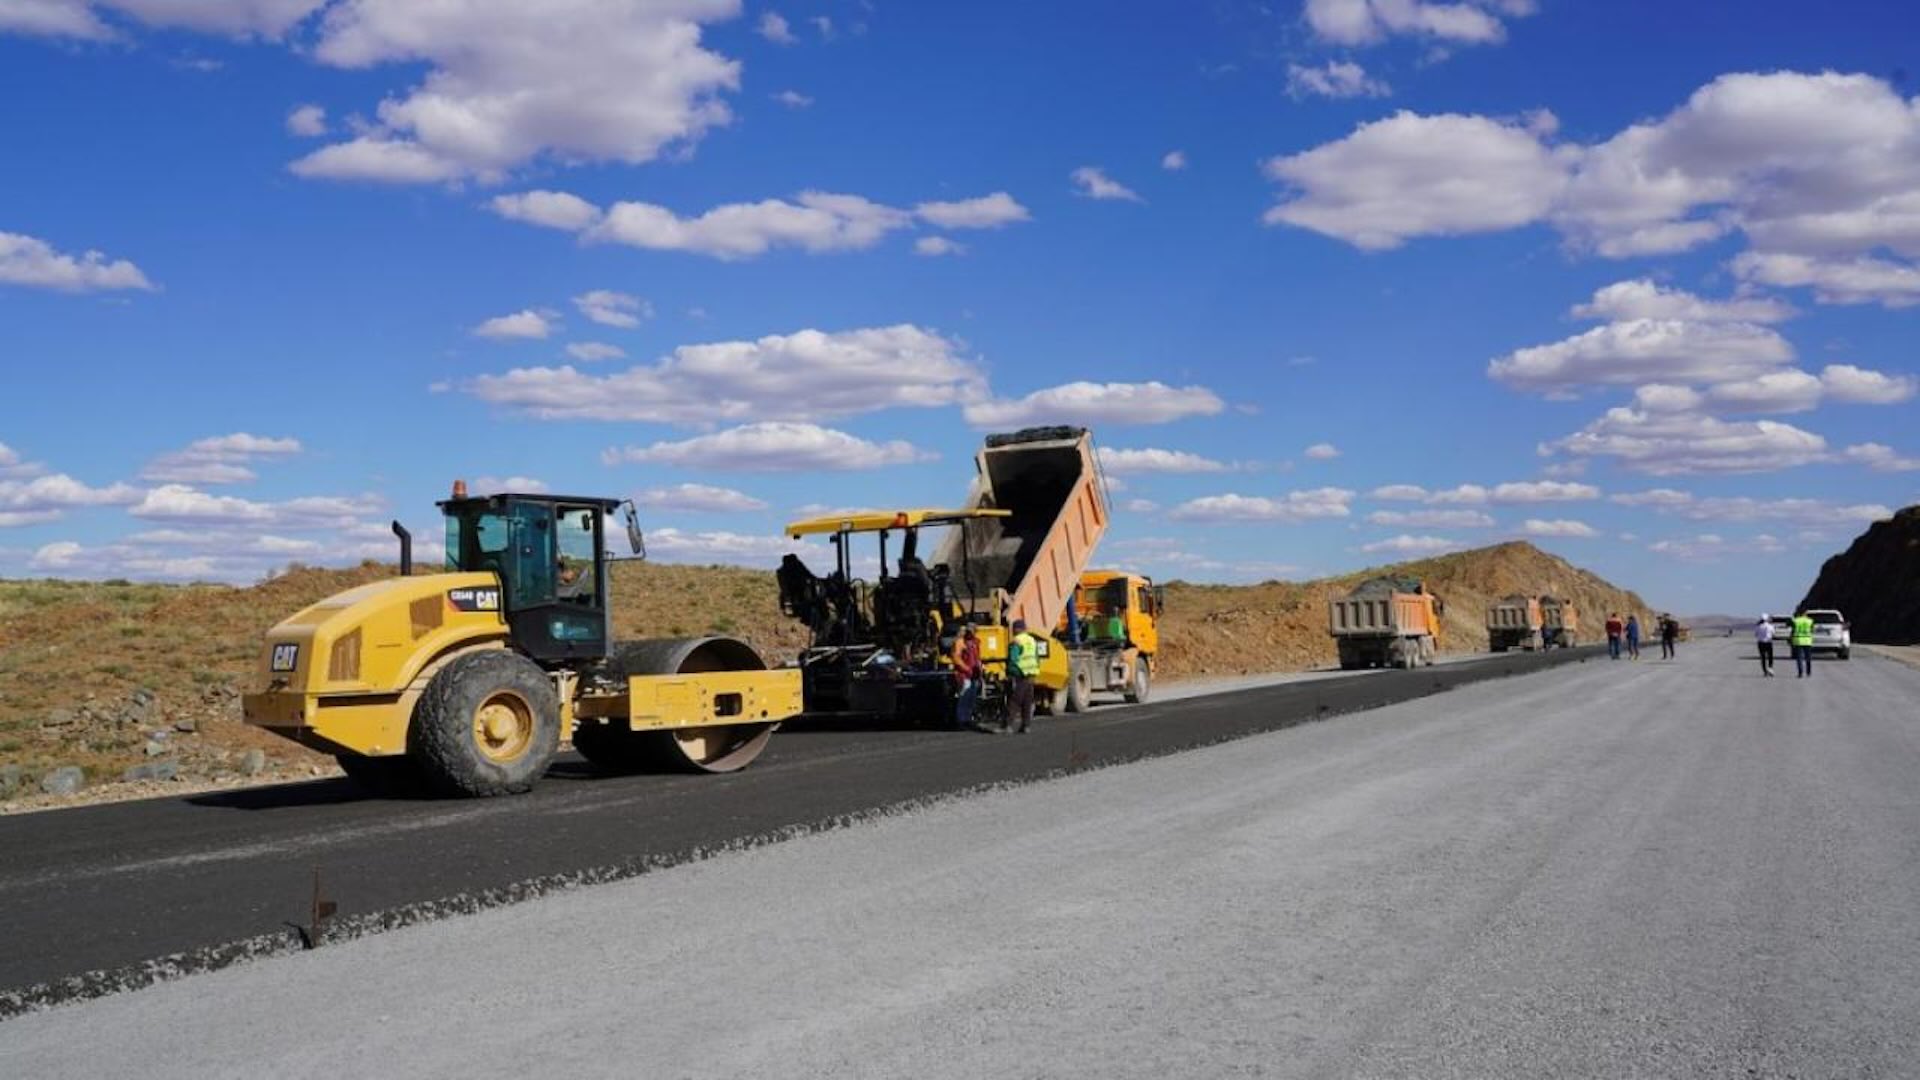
(470, 680)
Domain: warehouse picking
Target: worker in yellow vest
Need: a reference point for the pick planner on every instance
(1803, 646)
(1023, 663)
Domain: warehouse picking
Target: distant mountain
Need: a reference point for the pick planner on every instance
(1875, 583)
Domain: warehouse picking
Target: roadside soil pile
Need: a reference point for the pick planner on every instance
(140, 685)
(1875, 583)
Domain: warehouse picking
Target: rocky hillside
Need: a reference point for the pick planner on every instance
(140, 683)
(1876, 582)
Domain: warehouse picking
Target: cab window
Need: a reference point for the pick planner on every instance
(579, 543)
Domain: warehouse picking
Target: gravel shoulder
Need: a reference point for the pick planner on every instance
(1719, 878)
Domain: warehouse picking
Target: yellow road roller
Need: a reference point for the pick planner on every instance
(468, 682)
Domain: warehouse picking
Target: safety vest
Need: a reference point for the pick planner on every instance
(1802, 630)
(1025, 655)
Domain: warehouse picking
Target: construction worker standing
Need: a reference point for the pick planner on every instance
(1802, 646)
(966, 676)
(1023, 663)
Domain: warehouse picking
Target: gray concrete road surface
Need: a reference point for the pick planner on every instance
(1610, 870)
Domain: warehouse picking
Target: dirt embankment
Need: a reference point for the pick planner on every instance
(139, 684)
(1875, 583)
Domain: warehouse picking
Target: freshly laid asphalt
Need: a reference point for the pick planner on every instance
(1652, 869)
(105, 898)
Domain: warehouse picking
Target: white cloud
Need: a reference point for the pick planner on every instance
(815, 221)
(12, 465)
(1646, 350)
(1820, 172)
(25, 260)
(1400, 493)
(1665, 397)
(1881, 458)
(1322, 451)
(1671, 444)
(1368, 22)
(986, 212)
(1859, 386)
(1774, 392)
(54, 18)
(773, 447)
(594, 351)
(1431, 519)
(933, 246)
(505, 84)
(1094, 183)
(527, 324)
(1512, 492)
(222, 459)
(1174, 160)
(1712, 547)
(1097, 403)
(1295, 506)
(610, 308)
(793, 99)
(1857, 280)
(1413, 545)
(1411, 175)
(1334, 79)
(699, 498)
(237, 18)
(551, 209)
(46, 498)
(1558, 527)
(1642, 298)
(526, 485)
(1140, 506)
(719, 547)
(307, 121)
(1660, 498)
(184, 504)
(774, 27)
(1122, 462)
(806, 375)
(58, 555)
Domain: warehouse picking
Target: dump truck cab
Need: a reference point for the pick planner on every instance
(470, 680)
(1112, 631)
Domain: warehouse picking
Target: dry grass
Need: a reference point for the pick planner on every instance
(68, 645)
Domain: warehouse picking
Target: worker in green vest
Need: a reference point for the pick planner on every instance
(1803, 646)
(1023, 663)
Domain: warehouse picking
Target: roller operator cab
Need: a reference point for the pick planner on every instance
(470, 680)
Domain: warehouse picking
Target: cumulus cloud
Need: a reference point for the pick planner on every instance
(12, 465)
(793, 99)
(1510, 493)
(774, 27)
(1174, 160)
(1859, 386)
(1818, 171)
(701, 498)
(1369, 22)
(1642, 298)
(1122, 462)
(1646, 350)
(1293, 507)
(986, 212)
(1712, 547)
(1880, 458)
(773, 447)
(594, 351)
(1334, 79)
(610, 308)
(519, 484)
(1094, 183)
(550, 209)
(181, 503)
(221, 459)
(1405, 544)
(307, 122)
(934, 246)
(39, 499)
(1431, 519)
(806, 375)
(26, 260)
(1097, 403)
(1672, 444)
(527, 324)
(1322, 451)
(1659, 498)
(1558, 527)
(506, 84)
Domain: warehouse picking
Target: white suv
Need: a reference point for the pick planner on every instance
(1831, 632)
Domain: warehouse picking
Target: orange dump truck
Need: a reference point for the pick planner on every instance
(1559, 623)
(1386, 622)
(1514, 622)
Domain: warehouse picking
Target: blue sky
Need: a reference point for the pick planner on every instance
(1334, 281)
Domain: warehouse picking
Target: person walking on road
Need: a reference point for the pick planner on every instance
(1802, 646)
(1763, 637)
(1614, 629)
(1633, 637)
(966, 676)
(1023, 663)
(1669, 635)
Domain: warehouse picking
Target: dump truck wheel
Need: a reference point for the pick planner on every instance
(388, 776)
(1079, 690)
(488, 724)
(1142, 683)
(721, 748)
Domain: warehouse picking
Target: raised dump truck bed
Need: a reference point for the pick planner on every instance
(1049, 481)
